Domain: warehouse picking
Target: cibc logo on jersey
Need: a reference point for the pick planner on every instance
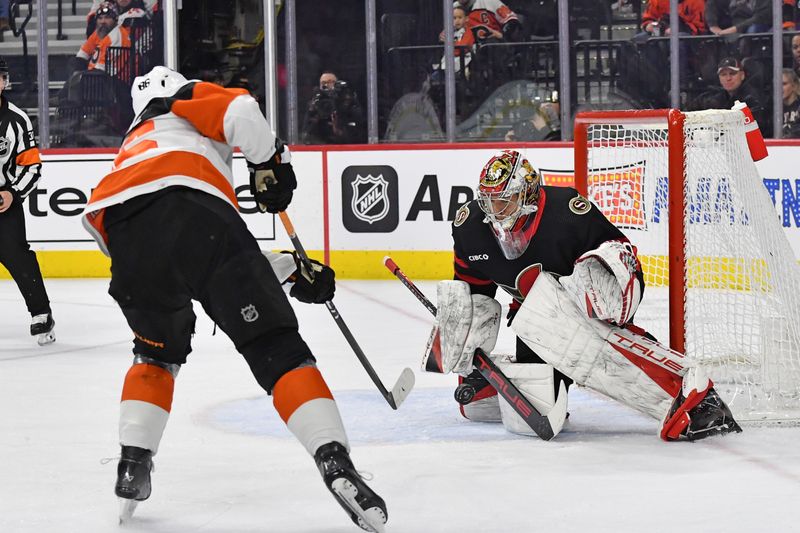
(369, 199)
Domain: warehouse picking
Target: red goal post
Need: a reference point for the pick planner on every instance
(674, 120)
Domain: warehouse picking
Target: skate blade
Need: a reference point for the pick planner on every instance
(126, 509)
(44, 339)
(371, 519)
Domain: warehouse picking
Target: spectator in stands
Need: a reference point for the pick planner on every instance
(133, 13)
(733, 87)
(655, 23)
(334, 114)
(791, 104)
(655, 19)
(462, 37)
(92, 54)
(5, 14)
(543, 125)
(149, 7)
(492, 20)
(725, 17)
(796, 53)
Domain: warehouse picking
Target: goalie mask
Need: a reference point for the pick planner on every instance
(507, 194)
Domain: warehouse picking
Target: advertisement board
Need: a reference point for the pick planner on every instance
(356, 204)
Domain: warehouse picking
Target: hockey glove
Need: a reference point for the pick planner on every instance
(312, 287)
(273, 181)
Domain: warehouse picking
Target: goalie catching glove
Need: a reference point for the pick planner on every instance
(606, 282)
(311, 287)
(273, 181)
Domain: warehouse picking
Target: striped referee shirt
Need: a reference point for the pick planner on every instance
(20, 163)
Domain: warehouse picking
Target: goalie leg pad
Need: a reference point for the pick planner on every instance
(627, 367)
(535, 381)
(466, 322)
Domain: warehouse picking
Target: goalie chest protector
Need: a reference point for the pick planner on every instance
(565, 226)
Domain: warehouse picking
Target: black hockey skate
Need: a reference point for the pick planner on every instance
(43, 327)
(365, 508)
(133, 479)
(705, 417)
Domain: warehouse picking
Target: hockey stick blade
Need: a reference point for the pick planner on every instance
(539, 423)
(404, 383)
(403, 387)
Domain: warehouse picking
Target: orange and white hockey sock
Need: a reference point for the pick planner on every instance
(304, 401)
(145, 405)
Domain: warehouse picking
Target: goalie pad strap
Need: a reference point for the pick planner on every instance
(627, 367)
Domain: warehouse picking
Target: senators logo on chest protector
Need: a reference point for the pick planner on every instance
(369, 199)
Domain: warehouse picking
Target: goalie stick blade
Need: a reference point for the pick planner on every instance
(403, 387)
(539, 423)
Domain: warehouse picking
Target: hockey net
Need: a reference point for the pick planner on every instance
(684, 189)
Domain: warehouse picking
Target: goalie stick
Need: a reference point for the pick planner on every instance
(538, 422)
(404, 383)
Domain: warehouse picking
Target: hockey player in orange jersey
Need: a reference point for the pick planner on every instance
(167, 216)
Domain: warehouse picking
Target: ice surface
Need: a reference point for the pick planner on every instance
(228, 464)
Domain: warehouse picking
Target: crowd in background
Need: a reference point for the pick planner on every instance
(507, 64)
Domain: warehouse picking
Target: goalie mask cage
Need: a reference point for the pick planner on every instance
(684, 189)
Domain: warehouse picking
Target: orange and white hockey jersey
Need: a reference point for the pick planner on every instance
(95, 47)
(185, 140)
(487, 16)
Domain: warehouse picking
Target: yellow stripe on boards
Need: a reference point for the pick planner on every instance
(720, 273)
(70, 264)
(415, 264)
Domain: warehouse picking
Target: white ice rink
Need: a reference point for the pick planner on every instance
(227, 464)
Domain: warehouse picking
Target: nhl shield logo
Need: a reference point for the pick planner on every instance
(370, 201)
(249, 313)
(4, 145)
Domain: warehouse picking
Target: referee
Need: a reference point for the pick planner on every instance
(20, 168)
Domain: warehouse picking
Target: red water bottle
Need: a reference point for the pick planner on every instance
(755, 141)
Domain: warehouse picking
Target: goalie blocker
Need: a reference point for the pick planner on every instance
(464, 335)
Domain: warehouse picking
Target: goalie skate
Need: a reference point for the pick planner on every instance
(43, 328)
(133, 480)
(697, 416)
(366, 509)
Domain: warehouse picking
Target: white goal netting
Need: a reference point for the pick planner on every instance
(741, 289)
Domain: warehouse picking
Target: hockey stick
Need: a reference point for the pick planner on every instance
(538, 422)
(404, 383)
